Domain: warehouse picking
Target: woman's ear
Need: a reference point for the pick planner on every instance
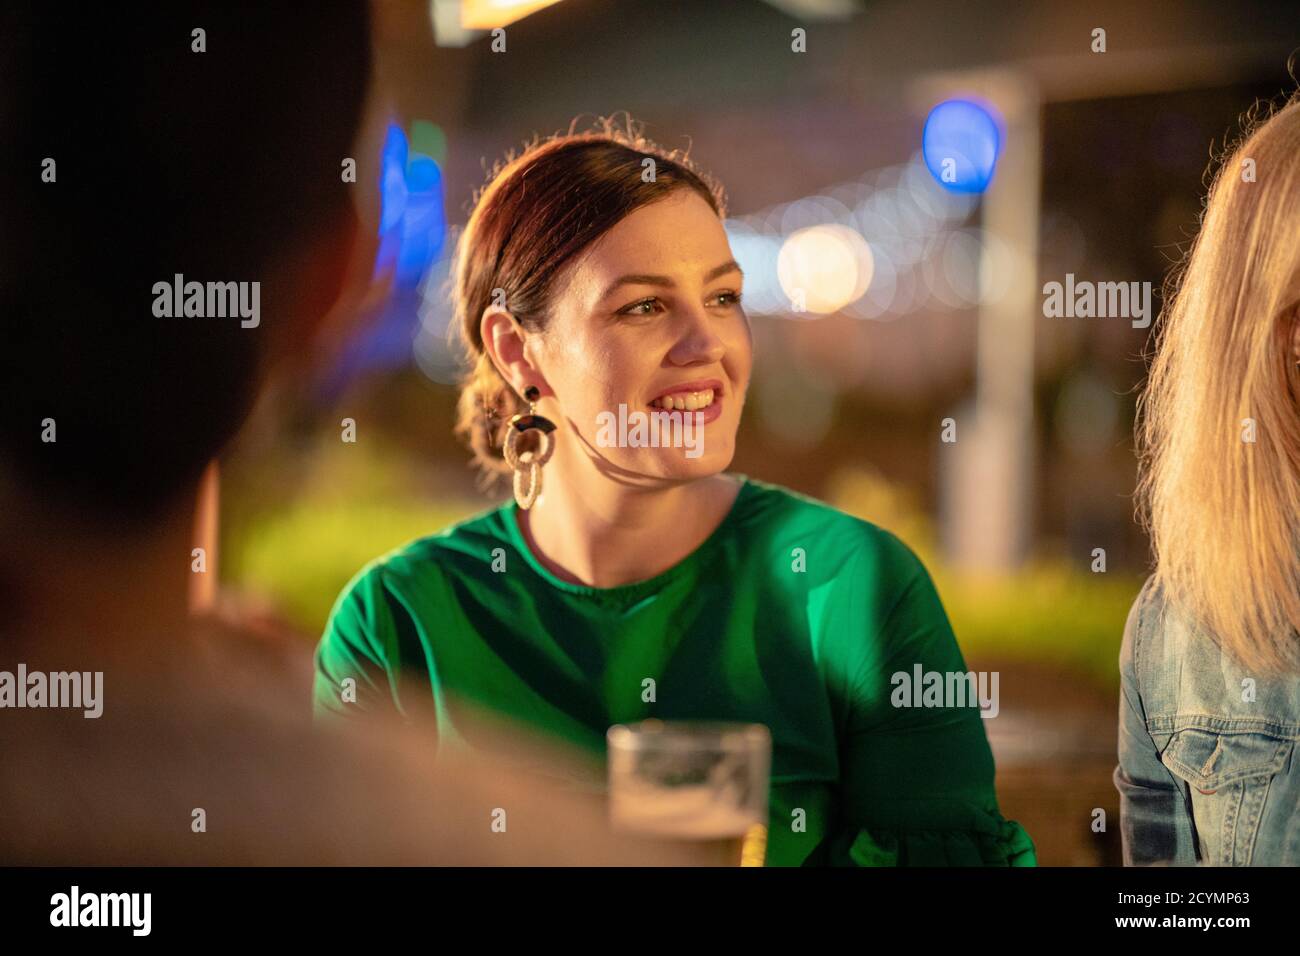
(1295, 336)
(506, 344)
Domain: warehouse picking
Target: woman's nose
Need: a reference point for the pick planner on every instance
(699, 342)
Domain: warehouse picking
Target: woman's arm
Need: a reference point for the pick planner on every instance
(1154, 818)
(353, 671)
(916, 781)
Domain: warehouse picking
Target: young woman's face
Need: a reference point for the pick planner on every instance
(649, 318)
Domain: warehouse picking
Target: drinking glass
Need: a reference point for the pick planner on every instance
(700, 782)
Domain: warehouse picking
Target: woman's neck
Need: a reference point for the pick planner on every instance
(602, 533)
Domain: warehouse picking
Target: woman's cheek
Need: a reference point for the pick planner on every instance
(594, 414)
(741, 362)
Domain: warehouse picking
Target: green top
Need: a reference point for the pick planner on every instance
(791, 614)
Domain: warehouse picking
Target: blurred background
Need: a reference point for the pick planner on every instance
(905, 371)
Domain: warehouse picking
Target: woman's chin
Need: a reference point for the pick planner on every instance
(676, 463)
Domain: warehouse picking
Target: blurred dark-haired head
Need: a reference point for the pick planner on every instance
(219, 164)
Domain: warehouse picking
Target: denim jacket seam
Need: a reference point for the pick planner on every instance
(1137, 651)
(1272, 765)
(1139, 638)
(1172, 723)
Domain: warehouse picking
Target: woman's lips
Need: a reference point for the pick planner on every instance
(697, 388)
(703, 416)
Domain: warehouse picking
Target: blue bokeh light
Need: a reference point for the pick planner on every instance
(960, 144)
(392, 181)
(412, 221)
(412, 233)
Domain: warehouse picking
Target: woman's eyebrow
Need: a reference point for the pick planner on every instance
(731, 265)
(643, 279)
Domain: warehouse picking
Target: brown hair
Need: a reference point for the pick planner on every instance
(534, 216)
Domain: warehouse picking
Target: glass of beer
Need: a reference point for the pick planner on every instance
(703, 782)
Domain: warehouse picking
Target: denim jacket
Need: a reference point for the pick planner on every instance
(1206, 774)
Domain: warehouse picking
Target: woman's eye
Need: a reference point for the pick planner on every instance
(652, 304)
(644, 307)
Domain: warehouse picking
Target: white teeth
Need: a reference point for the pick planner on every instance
(685, 401)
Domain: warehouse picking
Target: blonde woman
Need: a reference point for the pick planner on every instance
(1210, 711)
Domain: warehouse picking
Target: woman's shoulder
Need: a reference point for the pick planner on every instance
(1157, 638)
(841, 539)
(1184, 676)
(1147, 606)
(472, 542)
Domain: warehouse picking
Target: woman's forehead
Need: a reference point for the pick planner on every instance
(677, 236)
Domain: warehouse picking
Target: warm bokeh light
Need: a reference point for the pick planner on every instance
(489, 14)
(824, 267)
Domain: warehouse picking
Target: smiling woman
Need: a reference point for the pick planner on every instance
(594, 277)
(615, 251)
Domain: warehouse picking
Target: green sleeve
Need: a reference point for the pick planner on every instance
(917, 782)
(353, 671)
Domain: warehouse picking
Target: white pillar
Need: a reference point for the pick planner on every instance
(986, 476)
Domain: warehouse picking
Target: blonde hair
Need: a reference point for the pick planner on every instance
(1223, 510)
(538, 211)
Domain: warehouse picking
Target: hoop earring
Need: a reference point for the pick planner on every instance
(527, 465)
